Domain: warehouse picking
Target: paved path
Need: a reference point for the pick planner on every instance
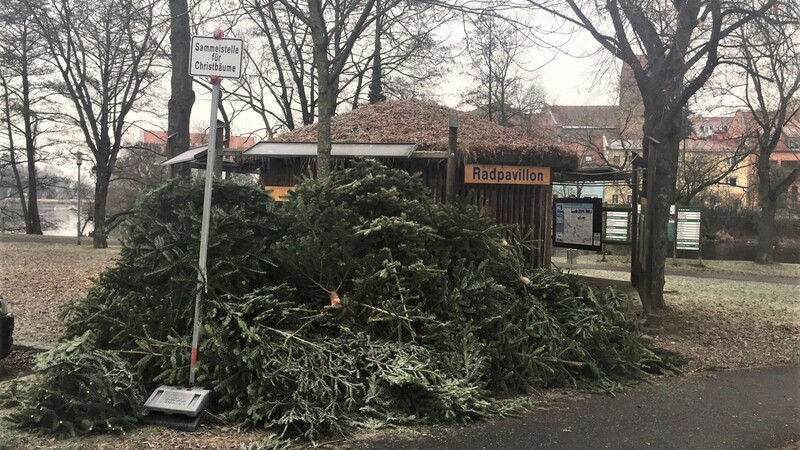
(730, 410)
(696, 273)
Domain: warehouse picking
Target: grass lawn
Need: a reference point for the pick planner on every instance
(724, 323)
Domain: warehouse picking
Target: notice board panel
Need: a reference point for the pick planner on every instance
(688, 229)
(578, 223)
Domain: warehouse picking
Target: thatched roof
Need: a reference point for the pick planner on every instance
(427, 125)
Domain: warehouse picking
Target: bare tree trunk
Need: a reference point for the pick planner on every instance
(324, 125)
(766, 230)
(329, 68)
(665, 129)
(376, 82)
(100, 238)
(180, 104)
(12, 153)
(769, 204)
(326, 95)
(34, 224)
(18, 182)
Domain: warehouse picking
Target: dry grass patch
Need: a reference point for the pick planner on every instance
(39, 276)
(727, 324)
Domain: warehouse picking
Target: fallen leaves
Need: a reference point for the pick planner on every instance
(41, 275)
(725, 324)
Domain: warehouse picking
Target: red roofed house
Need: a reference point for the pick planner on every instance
(786, 154)
(159, 138)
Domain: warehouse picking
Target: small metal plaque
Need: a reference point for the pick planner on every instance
(178, 400)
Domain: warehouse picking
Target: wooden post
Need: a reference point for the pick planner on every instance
(262, 173)
(634, 231)
(452, 161)
(218, 146)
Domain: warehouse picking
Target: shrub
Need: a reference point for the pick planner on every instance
(146, 301)
(80, 390)
(358, 302)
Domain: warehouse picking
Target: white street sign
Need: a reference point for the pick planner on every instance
(215, 57)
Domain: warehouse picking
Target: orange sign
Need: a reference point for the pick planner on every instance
(494, 174)
(279, 193)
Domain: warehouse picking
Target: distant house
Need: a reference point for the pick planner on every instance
(712, 156)
(707, 127)
(607, 136)
(786, 154)
(226, 158)
(159, 138)
(586, 131)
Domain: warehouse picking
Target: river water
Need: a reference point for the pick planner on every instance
(61, 212)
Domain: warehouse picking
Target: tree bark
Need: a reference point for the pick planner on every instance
(376, 82)
(766, 230)
(768, 201)
(180, 104)
(33, 224)
(324, 124)
(651, 291)
(99, 237)
(326, 95)
(663, 125)
(12, 154)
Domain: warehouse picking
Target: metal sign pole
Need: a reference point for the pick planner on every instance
(79, 162)
(178, 407)
(202, 275)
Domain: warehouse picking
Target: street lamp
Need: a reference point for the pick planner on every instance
(79, 161)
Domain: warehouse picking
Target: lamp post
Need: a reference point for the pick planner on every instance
(79, 161)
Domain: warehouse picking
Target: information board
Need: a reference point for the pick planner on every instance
(617, 226)
(578, 223)
(688, 229)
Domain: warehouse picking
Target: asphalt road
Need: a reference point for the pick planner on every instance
(730, 410)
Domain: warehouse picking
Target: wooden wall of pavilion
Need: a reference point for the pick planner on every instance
(527, 209)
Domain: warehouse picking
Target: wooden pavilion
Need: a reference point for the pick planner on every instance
(460, 155)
